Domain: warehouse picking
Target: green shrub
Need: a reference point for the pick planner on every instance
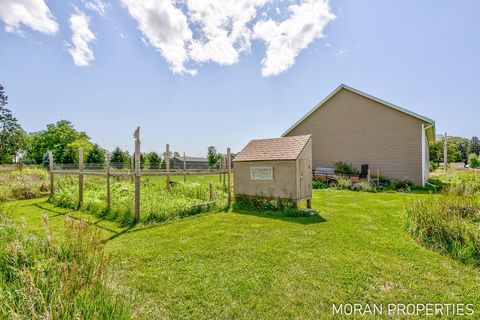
(364, 186)
(449, 224)
(319, 184)
(465, 184)
(27, 183)
(42, 278)
(343, 183)
(401, 185)
(346, 168)
(275, 207)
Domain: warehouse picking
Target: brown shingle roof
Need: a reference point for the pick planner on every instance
(286, 148)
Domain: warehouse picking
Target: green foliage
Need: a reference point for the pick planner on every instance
(465, 185)
(56, 138)
(319, 184)
(449, 224)
(364, 186)
(401, 185)
(462, 147)
(275, 207)
(343, 183)
(120, 159)
(158, 203)
(12, 137)
(25, 184)
(474, 161)
(71, 151)
(437, 151)
(154, 161)
(346, 168)
(96, 155)
(433, 166)
(474, 146)
(48, 278)
(213, 156)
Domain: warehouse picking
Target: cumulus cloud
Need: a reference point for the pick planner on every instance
(188, 32)
(96, 5)
(166, 29)
(285, 40)
(79, 46)
(34, 14)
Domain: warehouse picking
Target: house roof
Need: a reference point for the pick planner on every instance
(192, 159)
(430, 127)
(286, 148)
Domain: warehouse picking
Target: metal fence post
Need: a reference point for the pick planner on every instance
(52, 181)
(80, 177)
(137, 174)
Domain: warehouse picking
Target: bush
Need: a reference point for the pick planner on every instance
(42, 278)
(401, 185)
(433, 166)
(27, 183)
(275, 207)
(346, 168)
(364, 186)
(319, 184)
(449, 224)
(343, 183)
(466, 184)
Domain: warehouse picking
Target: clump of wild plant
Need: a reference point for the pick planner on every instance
(343, 183)
(42, 278)
(449, 224)
(466, 184)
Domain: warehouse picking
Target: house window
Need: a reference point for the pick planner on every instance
(261, 173)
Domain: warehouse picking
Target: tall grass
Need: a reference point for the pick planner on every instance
(47, 278)
(447, 223)
(158, 203)
(465, 184)
(28, 183)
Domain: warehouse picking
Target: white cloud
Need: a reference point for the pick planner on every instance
(34, 14)
(79, 46)
(285, 40)
(166, 29)
(96, 5)
(223, 25)
(187, 32)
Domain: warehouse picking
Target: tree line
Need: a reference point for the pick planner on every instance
(458, 150)
(64, 140)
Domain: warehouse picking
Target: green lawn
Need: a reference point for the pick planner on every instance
(252, 266)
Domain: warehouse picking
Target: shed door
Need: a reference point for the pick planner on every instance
(305, 177)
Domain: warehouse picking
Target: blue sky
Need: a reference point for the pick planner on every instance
(421, 55)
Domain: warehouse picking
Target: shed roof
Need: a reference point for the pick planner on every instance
(285, 148)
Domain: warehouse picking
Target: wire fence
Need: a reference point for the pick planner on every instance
(139, 191)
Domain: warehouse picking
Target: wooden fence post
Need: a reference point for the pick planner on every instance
(184, 168)
(369, 176)
(80, 177)
(220, 166)
(378, 177)
(137, 174)
(52, 181)
(108, 181)
(212, 192)
(445, 153)
(229, 178)
(167, 164)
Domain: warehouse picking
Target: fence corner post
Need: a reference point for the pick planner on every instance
(50, 166)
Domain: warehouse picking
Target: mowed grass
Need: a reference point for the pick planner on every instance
(252, 266)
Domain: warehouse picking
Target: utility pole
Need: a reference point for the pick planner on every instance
(445, 153)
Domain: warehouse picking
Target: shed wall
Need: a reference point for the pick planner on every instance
(282, 186)
(304, 172)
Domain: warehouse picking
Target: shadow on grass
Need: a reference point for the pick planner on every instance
(272, 215)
